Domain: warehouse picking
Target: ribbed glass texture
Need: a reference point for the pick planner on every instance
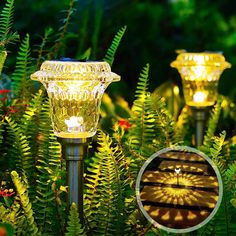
(75, 90)
(200, 73)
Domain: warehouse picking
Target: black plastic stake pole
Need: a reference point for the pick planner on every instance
(200, 115)
(74, 151)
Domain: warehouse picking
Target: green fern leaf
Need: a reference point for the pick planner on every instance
(59, 45)
(49, 173)
(29, 122)
(215, 151)
(230, 178)
(21, 148)
(74, 227)
(110, 55)
(224, 223)
(105, 191)
(141, 134)
(182, 132)
(142, 86)
(212, 123)
(164, 124)
(22, 193)
(22, 84)
(6, 18)
(41, 48)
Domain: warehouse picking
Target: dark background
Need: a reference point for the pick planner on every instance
(155, 29)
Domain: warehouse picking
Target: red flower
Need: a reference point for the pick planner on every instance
(6, 192)
(3, 91)
(3, 231)
(124, 124)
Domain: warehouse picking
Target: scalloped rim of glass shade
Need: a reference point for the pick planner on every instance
(75, 70)
(209, 59)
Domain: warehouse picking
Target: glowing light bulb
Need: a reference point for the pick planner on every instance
(176, 90)
(177, 170)
(75, 124)
(199, 97)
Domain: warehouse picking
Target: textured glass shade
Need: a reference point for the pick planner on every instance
(75, 91)
(200, 73)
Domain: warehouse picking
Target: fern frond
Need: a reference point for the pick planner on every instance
(142, 86)
(182, 128)
(224, 222)
(74, 227)
(105, 189)
(22, 84)
(41, 48)
(48, 174)
(59, 43)
(29, 122)
(216, 149)
(6, 18)
(22, 193)
(164, 125)
(230, 179)
(9, 215)
(110, 54)
(21, 148)
(212, 123)
(32, 110)
(141, 133)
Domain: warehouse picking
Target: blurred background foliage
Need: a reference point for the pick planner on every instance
(155, 29)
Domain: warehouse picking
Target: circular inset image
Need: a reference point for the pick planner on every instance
(179, 189)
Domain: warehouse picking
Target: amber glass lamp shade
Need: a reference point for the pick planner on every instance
(75, 90)
(200, 73)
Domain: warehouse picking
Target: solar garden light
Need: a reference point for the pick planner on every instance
(200, 73)
(75, 90)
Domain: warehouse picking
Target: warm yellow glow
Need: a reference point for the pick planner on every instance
(178, 216)
(75, 124)
(191, 216)
(200, 71)
(199, 97)
(177, 170)
(166, 216)
(75, 90)
(176, 90)
(199, 59)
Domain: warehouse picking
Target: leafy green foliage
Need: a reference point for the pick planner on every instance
(42, 47)
(28, 145)
(216, 149)
(22, 84)
(20, 148)
(105, 193)
(142, 117)
(58, 47)
(6, 21)
(212, 122)
(22, 193)
(74, 227)
(182, 132)
(109, 57)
